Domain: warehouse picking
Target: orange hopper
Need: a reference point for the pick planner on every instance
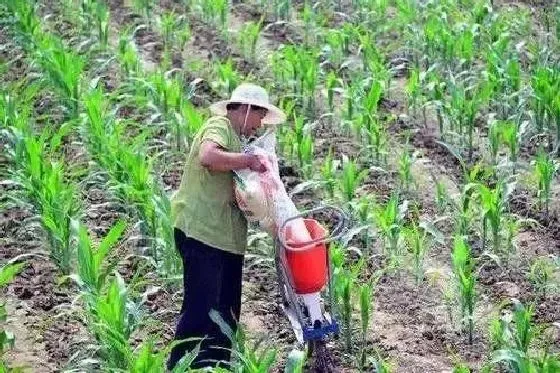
(307, 262)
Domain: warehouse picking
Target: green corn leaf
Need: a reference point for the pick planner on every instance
(9, 271)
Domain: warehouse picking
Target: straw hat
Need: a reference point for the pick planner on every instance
(247, 93)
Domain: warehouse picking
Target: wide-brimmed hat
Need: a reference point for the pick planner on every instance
(247, 93)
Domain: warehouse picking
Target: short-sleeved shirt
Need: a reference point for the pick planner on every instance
(204, 207)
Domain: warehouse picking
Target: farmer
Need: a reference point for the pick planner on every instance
(210, 229)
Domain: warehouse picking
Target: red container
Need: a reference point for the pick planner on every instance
(307, 263)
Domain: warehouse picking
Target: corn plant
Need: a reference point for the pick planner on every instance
(281, 9)
(494, 140)
(542, 275)
(328, 173)
(227, 78)
(416, 240)
(406, 160)
(112, 317)
(441, 196)
(193, 121)
(215, 12)
(463, 268)
(389, 222)
(168, 22)
(347, 288)
(305, 155)
(63, 71)
(249, 358)
(544, 82)
(247, 39)
(511, 136)
(362, 208)
(366, 299)
(462, 109)
(494, 204)
(102, 17)
(44, 185)
(335, 47)
(371, 101)
(129, 171)
(145, 7)
(377, 140)
(92, 269)
(545, 171)
(332, 84)
(127, 54)
(351, 178)
(413, 90)
(435, 94)
(27, 23)
(7, 273)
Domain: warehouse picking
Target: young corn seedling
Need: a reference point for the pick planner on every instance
(543, 276)
(544, 83)
(27, 23)
(366, 300)
(377, 136)
(335, 47)
(44, 184)
(305, 155)
(545, 171)
(7, 273)
(494, 141)
(168, 22)
(63, 71)
(416, 239)
(351, 178)
(511, 136)
(145, 7)
(328, 173)
(463, 268)
(389, 222)
(494, 204)
(362, 208)
(435, 88)
(247, 39)
(127, 54)
(406, 160)
(332, 84)
(227, 78)
(102, 17)
(518, 335)
(92, 269)
(441, 196)
(347, 289)
(281, 9)
(248, 358)
(371, 101)
(413, 91)
(193, 120)
(112, 317)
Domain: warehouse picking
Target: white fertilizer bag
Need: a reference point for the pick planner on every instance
(262, 196)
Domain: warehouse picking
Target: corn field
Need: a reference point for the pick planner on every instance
(435, 124)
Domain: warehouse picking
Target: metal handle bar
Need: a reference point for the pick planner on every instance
(337, 231)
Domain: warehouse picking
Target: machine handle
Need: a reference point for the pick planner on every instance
(337, 231)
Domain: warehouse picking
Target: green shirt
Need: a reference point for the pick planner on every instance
(204, 207)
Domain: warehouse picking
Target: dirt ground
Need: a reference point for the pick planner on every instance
(410, 324)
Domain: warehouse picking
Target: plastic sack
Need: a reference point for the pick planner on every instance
(262, 196)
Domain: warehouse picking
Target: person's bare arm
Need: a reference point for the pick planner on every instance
(216, 159)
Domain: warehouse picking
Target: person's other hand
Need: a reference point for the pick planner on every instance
(256, 163)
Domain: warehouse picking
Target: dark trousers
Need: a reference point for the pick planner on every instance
(211, 280)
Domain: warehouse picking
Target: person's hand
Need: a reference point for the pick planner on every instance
(256, 163)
